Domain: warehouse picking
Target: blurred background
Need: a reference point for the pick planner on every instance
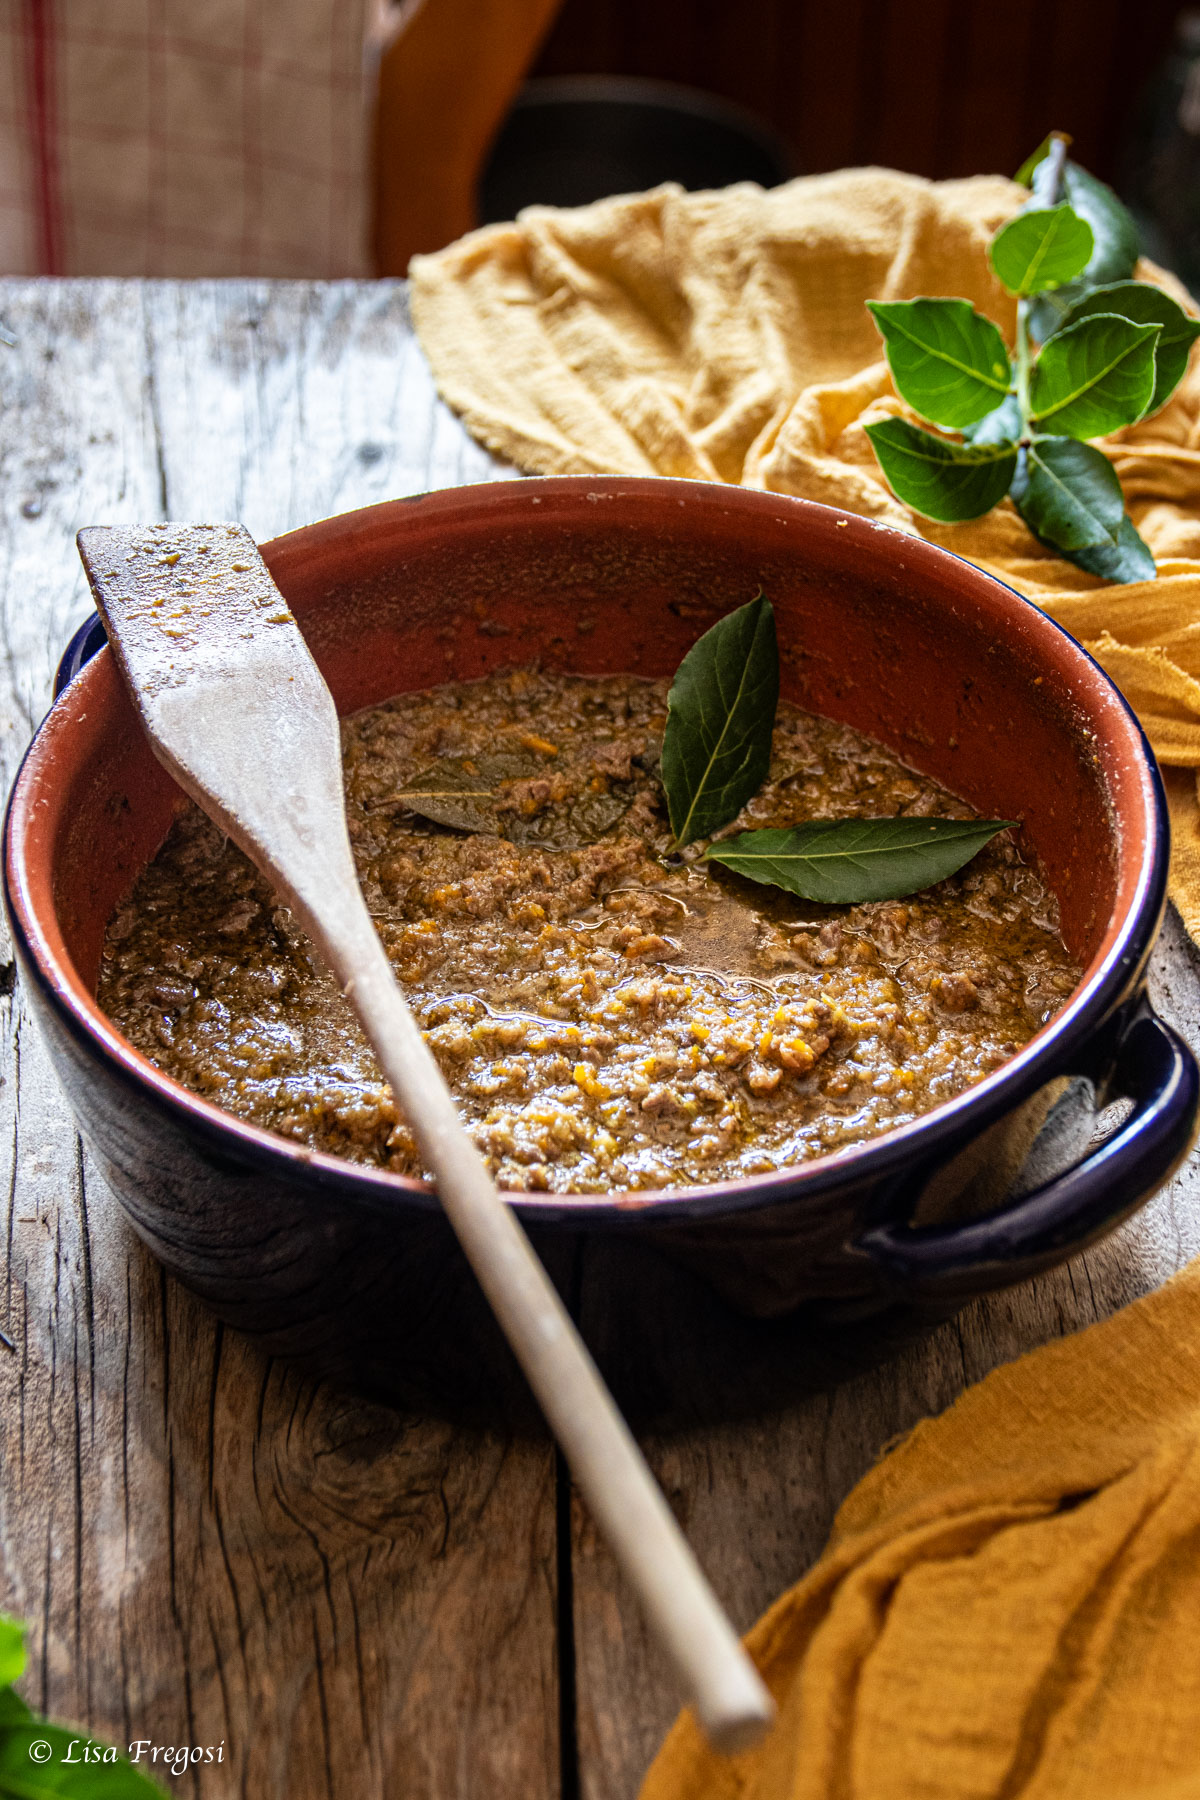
(938, 87)
(335, 137)
(941, 88)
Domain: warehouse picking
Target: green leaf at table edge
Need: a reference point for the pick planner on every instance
(21, 1778)
(1068, 494)
(1041, 247)
(12, 1650)
(941, 480)
(1179, 330)
(927, 339)
(1093, 377)
(849, 861)
(13, 1710)
(720, 718)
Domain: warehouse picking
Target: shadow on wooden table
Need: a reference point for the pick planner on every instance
(674, 1352)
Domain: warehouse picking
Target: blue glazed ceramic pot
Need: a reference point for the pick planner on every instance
(353, 1268)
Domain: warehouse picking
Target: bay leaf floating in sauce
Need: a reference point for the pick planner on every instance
(462, 791)
(466, 793)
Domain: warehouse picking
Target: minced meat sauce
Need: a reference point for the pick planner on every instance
(609, 1014)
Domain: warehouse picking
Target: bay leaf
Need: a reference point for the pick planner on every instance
(939, 479)
(848, 861)
(1144, 304)
(578, 820)
(720, 718)
(1129, 559)
(1113, 229)
(1042, 247)
(466, 794)
(947, 360)
(1094, 376)
(593, 816)
(1000, 426)
(1068, 494)
(462, 791)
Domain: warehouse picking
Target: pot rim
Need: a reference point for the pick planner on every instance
(1110, 978)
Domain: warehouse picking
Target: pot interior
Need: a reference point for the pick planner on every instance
(882, 632)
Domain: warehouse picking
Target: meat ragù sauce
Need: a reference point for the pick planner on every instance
(609, 1014)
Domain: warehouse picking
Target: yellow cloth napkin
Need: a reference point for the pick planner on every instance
(1009, 1603)
(724, 336)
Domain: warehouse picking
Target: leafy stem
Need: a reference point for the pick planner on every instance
(1056, 163)
(1024, 369)
(1051, 194)
(1095, 350)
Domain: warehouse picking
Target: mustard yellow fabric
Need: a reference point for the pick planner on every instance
(1008, 1607)
(724, 337)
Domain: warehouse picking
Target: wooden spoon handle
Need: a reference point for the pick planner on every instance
(237, 709)
(728, 1695)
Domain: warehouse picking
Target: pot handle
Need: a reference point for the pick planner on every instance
(1157, 1071)
(90, 637)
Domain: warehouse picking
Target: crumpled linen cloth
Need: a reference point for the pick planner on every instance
(1007, 1606)
(724, 336)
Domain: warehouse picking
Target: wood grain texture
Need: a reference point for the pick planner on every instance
(209, 1546)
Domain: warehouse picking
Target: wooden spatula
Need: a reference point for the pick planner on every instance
(237, 710)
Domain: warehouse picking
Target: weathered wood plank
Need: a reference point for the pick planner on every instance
(290, 401)
(211, 1548)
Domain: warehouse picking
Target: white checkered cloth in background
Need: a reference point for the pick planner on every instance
(184, 137)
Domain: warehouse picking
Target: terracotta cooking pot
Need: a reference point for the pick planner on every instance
(961, 677)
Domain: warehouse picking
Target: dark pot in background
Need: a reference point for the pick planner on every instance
(570, 139)
(354, 1269)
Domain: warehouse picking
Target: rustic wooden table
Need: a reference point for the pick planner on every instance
(212, 1548)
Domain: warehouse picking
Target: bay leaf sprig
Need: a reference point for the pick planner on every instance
(717, 754)
(1095, 350)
